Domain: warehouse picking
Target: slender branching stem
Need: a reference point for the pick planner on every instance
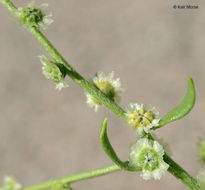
(174, 168)
(76, 177)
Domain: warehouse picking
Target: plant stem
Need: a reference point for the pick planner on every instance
(76, 177)
(9, 5)
(90, 88)
(174, 168)
(181, 174)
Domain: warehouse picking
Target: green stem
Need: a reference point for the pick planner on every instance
(181, 174)
(9, 5)
(90, 88)
(76, 177)
(75, 76)
(174, 168)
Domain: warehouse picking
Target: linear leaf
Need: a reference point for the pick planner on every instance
(110, 151)
(182, 109)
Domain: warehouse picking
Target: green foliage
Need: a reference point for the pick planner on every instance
(107, 147)
(182, 109)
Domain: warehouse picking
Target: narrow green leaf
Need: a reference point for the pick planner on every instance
(107, 147)
(182, 109)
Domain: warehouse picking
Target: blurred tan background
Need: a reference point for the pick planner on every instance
(153, 49)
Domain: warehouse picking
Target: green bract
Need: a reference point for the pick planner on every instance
(106, 87)
(52, 71)
(33, 16)
(148, 159)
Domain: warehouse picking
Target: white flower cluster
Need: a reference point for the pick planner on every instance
(148, 155)
(34, 16)
(108, 85)
(142, 117)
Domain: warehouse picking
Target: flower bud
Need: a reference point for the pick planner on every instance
(52, 71)
(33, 16)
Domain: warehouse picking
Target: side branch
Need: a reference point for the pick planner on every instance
(75, 177)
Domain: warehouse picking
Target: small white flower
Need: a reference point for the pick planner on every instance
(52, 71)
(148, 155)
(142, 117)
(61, 85)
(10, 184)
(165, 145)
(92, 102)
(108, 85)
(35, 16)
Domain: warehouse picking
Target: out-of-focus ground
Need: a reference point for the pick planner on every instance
(153, 49)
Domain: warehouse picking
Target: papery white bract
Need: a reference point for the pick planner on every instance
(108, 85)
(165, 144)
(92, 102)
(148, 155)
(142, 117)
